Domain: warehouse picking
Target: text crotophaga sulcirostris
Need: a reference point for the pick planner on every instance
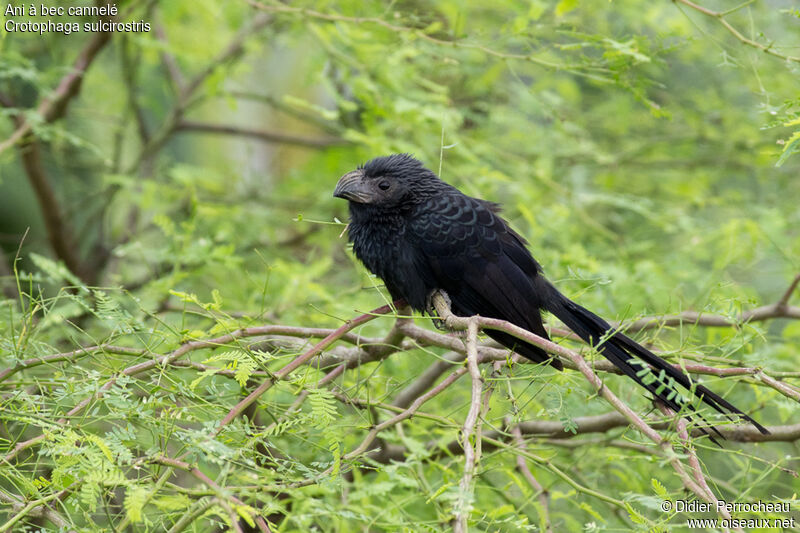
(419, 234)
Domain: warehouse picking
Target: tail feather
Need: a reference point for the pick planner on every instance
(638, 363)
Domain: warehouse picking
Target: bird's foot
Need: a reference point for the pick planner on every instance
(438, 322)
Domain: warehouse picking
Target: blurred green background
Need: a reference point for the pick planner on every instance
(645, 149)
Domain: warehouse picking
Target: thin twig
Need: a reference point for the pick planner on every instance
(177, 354)
(28, 509)
(432, 338)
(170, 64)
(783, 388)
(720, 17)
(766, 312)
(68, 356)
(231, 515)
(59, 232)
(443, 308)
(373, 433)
(420, 34)
(427, 379)
(522, 466)
(694, 464)
(259, 134)
(191, 514)
(6, 274)
(40, 509)
(301, 360)
(55, 106)
(469, 438)
(222, 494)
(554, 431)
(231, 52)
(784, 300)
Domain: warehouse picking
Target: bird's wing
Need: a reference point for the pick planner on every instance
(463, 247)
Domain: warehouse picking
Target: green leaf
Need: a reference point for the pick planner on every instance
(323, 407)
(658, 488)
(55, 271)
(336, 450)
(203, 375)
(634, 515)
(100, 443)
(241, 362)
(589, 509)
(439, 492)
(135, 499)
(565, 6)
(791, 146)
(246, 512)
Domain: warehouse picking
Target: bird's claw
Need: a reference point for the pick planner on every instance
(438, 323)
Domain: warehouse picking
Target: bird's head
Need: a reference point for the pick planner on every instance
(387, 181)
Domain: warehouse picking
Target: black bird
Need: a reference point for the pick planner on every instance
(419, 234)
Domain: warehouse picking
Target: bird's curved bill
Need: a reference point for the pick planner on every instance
(352, 187)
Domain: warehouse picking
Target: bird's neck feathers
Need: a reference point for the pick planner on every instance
(378, 215)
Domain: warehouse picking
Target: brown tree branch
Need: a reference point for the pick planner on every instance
(522, 466)
(720, 17)
(703, 489)
(784, 300)
(427, 379)
(780, 309)
(257, 331)
(54, 107)
(785, 433)
(377, 349)
(170, 64)
(67, 356)
(231, 52)
(420, 33)
(362, 352)
(554, 432)
(442, 305)
(222, 493)
(6, 274)
(34, 509)
(432, 338)
(470, 431)
(766, 312)
(303, 359)
(59, 232)
(179, 352)
(259, 134)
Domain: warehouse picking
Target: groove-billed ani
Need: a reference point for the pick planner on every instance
(419, 234)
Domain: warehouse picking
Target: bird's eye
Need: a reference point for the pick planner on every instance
(384, 185)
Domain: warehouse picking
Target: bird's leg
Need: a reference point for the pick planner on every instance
(431, 306)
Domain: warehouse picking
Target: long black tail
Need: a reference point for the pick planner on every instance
(637, 362)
